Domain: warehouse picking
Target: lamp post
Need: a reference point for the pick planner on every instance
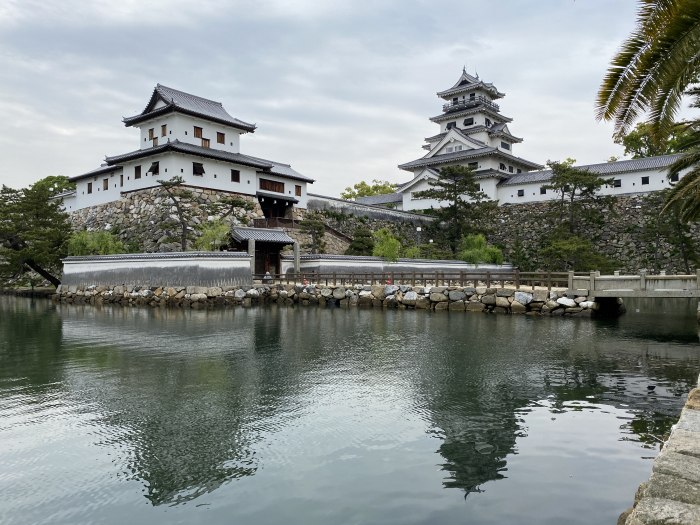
(418, 230)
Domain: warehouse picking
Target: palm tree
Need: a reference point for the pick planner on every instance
(654, 67)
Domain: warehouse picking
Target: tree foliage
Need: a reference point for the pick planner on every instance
(213, 235)
(386, 245)
(465, 209)
(362, 242)
(362, 189)
(315, 228)
(566, 251)
(34, 230)
(474, 249)
(654, 67)
(641, 141)
(577, 189)
(179, 196)
(94, 243)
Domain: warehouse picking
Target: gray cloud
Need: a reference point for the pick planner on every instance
(342, 90)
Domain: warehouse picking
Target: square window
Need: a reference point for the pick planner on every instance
(645, 180)
(137, 172)
(197, 132)
(163, 130)
(473, 165)
(297, 190)
(197, 168)
(205, 143)
(521, 193)
(469, 121)
(617, 183)
(105, 184)
(543, 190)
(505, 145)
(220, 138)
(235, 176)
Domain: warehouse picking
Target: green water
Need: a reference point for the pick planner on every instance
(333, 416)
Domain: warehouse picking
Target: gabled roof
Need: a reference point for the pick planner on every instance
(456, 134)
(263, 165)
(480, 108)
(465, 155)
(603, 168)
(261, 234)
(427, 173)
(181, 102)
(468, 82)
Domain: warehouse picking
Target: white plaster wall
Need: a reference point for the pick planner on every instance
(289, 187)
(83, 199)
(181, 127)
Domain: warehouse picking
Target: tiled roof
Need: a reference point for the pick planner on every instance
(261, 234)
(97, 171)
(465, 154)
(603, 168)
(470, 111)
(176, 100)
(386, 198)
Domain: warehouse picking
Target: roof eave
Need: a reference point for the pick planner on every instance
(130, 121)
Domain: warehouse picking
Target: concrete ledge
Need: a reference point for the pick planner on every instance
(672, 494)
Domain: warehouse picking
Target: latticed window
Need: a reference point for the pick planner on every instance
(197, 132)
(271, 185)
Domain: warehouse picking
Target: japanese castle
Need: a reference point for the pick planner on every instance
(474, 133)
(197, 139)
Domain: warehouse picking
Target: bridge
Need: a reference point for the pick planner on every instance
(641, 285)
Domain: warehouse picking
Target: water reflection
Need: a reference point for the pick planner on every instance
(187, 402)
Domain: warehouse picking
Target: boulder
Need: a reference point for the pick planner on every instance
(378, 291)
(252, 293)
(326, 292)
(565, 301)
(504, 292)
(457, 295)
(517, 308)
(444, 305)
(457, 306)
(339, 293)
(410, 298)
(488, 299)
(214, 291)
(474, 306)
(423, 303)
(502, 302)
(540, 295)
(437, 297)
(523, 297)
(390, 289)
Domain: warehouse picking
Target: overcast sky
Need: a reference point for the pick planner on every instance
(342, 90)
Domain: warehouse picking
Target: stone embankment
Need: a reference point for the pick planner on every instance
(672, 494)
(479, 299)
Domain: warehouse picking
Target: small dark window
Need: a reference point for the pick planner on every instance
(451, 125)
(197, 168)
(645, 180)
(473, 165)
(455, 100)
(151, 133)
(488, 123)
(235, 176)
(543, 190)
(521, 193)
(89, 188)
(617, 183)
(105, 184)
(137, 172)
(163, 130)
(472, 96)
(197, 132)
(220, 138)
(469, 121)
(502, 166)
(297, 190)
(510, 168)
(673, 178)
(155, 141)
(121, 180)
(519, 170)
(205, 143)
(154, 169)
(505, 145)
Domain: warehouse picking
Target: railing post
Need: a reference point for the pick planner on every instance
(335, 281)
(571, 280)
(488, 279)
(697, 273)
(642, 279)
(591, 284)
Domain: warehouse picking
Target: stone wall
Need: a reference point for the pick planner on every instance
(535, 302)
(145, 220)
(626, 231)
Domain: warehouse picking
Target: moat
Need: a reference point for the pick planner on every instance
(309, 415)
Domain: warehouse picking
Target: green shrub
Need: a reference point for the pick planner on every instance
(474, 249)
(94, 243)
(386, 245)
(362, 242)
(213, 235)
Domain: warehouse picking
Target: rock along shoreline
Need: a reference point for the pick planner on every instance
(506, 300)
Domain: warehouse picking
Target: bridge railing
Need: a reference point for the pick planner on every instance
(642, 284)
(489, 279)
